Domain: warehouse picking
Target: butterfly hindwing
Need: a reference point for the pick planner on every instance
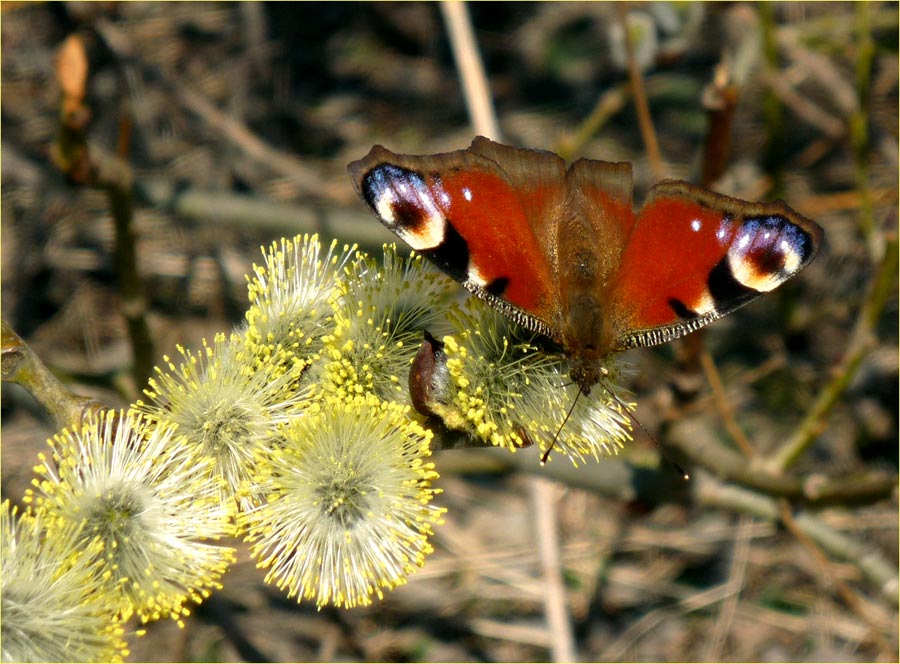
(599, 222)
(695, 256)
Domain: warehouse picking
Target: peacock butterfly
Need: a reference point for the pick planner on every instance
(561, 251)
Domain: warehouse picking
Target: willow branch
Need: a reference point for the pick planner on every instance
(88, 166)
(613, 477)
(207, 206)
(720, 99)
(21, 366)
(862, 339)
(872, 565)
(704, 451)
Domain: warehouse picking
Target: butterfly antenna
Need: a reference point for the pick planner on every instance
(681, 471)
(546, 454)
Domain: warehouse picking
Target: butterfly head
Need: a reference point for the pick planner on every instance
(587, 370)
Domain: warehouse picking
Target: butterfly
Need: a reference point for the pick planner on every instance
(561, 251)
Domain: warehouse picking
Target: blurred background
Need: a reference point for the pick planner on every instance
(235, 123)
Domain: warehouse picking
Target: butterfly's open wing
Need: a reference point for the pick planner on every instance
(694, 256)
(482, 215)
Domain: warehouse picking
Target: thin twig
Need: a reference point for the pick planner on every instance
(814, 115)
(618, 649)
(628, 481)
(704, 450)
(648, 132)
(744, 378)
(853, 549)
(207, 206)
(722, 405)
(817, 205)
(819, 67)
(877, 625)
(862, 339)
(484, 119)
(471, 69)
(723, 624)
(543, 500)
(237, 133)
(86, 165)
(231, 129)
(608, 104)
(859, 122)
(815, 29)
(882, 574)
(773, 110)
(496, 629)
(613, 477)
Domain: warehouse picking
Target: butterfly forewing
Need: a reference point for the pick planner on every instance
(695, 256)
(453, 208)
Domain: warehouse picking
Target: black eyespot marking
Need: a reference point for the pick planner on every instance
(725, 289)
(681, 310)
(498, 286)
(451, 255)
(772, 244)
(773, 236)
(408, 214)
